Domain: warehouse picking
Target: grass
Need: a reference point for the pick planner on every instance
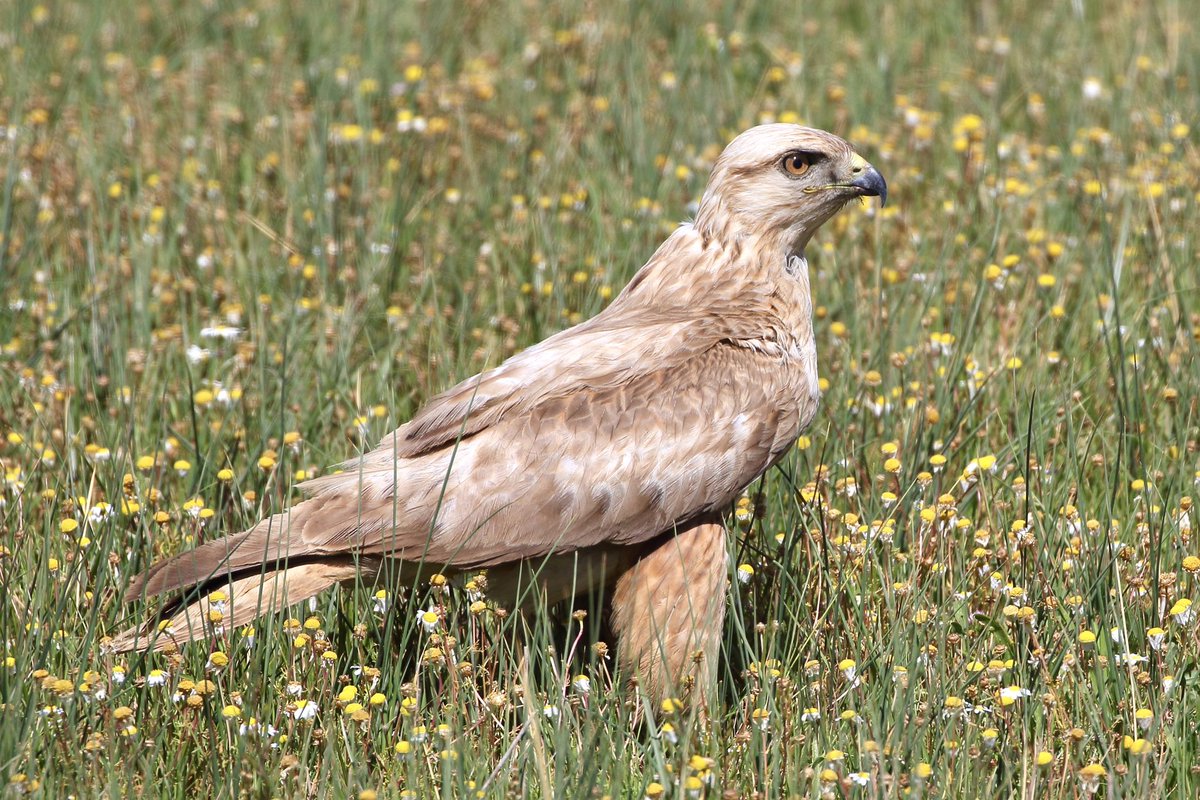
(970, 579)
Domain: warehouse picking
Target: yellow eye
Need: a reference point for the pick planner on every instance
(796, 164)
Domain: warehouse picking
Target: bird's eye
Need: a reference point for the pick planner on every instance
(796, 164)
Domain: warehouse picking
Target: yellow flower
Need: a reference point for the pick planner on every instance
(1137, 747)
(1144, 717)
(1182, 611)
(349, 133)
(1011, 694)
(1090, 777)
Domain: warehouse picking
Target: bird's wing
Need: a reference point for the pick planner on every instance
(609, 435)
(604, 352)
(607, 462)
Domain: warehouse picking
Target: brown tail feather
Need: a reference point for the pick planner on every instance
(188, 569)
(246, 599)
(267, 543)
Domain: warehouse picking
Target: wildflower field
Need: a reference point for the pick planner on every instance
(239, 243)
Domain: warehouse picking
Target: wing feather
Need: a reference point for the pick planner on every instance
(606, 353)
(614, 464)
(657, 411)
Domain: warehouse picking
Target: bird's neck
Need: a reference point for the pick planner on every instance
(774, 258)
(763, 276)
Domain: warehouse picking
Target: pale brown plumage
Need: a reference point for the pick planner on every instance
(601, 457)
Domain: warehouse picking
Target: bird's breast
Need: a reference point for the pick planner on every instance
(808, 368)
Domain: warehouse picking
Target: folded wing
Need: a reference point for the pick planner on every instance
(611, 432)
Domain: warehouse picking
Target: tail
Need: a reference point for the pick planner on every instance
(307, 531)
(286, 558)
(240, 601)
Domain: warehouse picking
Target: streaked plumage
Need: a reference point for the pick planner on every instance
(603, 456)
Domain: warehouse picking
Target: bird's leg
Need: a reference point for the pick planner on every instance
(668, 610)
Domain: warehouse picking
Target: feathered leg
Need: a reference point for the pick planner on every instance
(668, 611)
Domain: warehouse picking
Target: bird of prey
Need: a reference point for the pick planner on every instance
(601, 458)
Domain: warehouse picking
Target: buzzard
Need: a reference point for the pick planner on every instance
(601, 458)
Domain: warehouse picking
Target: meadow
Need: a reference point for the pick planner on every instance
(240, 242)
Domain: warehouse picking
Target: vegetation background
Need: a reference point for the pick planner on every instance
(240, 241)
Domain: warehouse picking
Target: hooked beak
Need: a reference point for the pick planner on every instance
(870, 184)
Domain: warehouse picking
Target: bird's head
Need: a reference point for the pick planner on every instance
(784, 181)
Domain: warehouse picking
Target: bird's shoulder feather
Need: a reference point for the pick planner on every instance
(667, 315)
